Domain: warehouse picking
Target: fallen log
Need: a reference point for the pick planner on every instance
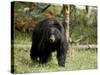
(84, 46)
(73, 46)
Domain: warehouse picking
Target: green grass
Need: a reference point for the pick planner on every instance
(22, 37)
(76, 60)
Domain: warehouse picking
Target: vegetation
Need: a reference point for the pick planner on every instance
(83, 31)
(83, 26)
(80, 59)
(22, 37)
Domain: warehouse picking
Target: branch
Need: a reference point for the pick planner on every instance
(45, 8)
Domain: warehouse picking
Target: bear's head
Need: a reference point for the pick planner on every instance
(53, 34)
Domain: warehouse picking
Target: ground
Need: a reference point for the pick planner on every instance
(80, 59)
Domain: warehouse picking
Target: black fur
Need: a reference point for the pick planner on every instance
(42, 47)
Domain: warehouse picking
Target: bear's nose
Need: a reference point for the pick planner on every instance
(52, 39)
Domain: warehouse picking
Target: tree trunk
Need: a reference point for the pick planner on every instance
(66, 10)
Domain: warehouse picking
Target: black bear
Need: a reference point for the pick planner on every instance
(48, 36)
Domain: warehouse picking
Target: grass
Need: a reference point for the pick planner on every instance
(77, 59)
(22, 37)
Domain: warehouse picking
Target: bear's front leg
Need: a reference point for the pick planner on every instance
(44, 58)
(61, 54)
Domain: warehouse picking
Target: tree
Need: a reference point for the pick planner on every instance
(66, 10)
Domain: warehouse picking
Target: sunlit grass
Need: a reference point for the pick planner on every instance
(22, 37)
(78, 60)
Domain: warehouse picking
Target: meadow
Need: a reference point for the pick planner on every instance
(77, 59)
